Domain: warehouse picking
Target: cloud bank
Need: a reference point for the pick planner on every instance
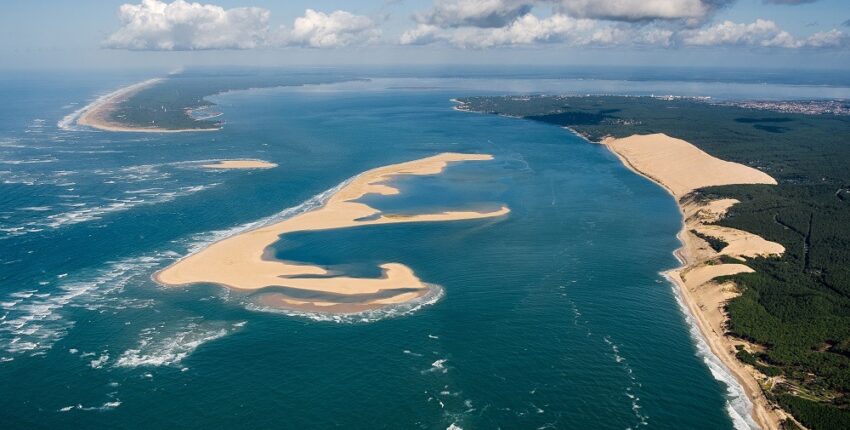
(155, 25)
(661, 23)
(475, 24)
(641, 10)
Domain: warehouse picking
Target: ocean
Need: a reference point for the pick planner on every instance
(554, 316)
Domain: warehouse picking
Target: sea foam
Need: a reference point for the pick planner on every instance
(35, 321)
(738, 405)
(167, 347)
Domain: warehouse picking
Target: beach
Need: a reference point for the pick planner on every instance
(98, 114)
(240, 262)
(682, 168)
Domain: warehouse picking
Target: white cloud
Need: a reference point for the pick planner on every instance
(486, 23)
(422, 34)
(500, 13)
(788, 2)
(182, 26)
(660, 23)
(179, 26)
(640, 10)
(760, 33)
(525, 30)
(339, 28)
(475, 13)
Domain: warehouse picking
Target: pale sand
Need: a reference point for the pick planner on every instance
(682, 168)
(98, 113)
(240, 164)
(237, 262)
(679, 166)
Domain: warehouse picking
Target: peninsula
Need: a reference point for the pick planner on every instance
(169, 104)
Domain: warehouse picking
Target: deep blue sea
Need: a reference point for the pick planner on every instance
(552, 317)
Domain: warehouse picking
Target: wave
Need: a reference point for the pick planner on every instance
(81, 213)
(642, 419)
(106, 406)
(34, 320)
(69, 121)
(158, 349)
(434, 295)
(30, 161)
(738, 405)
(438, 366)
(120, 205)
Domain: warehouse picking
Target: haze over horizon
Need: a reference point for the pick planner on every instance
(811, 34)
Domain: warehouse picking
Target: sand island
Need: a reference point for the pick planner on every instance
(241, 262)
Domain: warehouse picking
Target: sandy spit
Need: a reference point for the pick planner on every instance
(98, 113)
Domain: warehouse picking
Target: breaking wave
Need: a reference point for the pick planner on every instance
(33, 320)
(119, 205)
(738, 405)
(69, 122)
(390, 311)
(168, 347)
(642, 419)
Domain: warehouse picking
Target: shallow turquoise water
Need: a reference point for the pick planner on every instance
(554, 316)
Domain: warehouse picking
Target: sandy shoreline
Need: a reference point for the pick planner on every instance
(239, 262)
(681, 168)
(98, 113)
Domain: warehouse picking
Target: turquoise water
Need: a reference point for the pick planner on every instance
(554, 316)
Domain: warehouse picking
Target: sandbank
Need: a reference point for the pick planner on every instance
(238, 262)
(240, 164)
(682, 168)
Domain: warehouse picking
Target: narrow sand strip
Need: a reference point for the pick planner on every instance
(98, 114)
(240, 164)
(237, 262)
(682, 168)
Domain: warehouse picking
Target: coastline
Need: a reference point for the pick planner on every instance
(97, 113)
(702, 298)
(241, 262)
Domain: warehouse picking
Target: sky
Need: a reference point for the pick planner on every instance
(45, 34)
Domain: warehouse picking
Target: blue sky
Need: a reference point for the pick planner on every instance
(142, 33)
